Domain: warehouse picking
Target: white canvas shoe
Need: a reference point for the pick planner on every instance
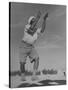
(34, 78)
(23, 77)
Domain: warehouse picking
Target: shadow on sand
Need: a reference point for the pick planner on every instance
(43, 83)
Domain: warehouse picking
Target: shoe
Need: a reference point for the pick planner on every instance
(23, 78)
(34, 78)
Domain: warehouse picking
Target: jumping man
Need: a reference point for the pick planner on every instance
(27, 49)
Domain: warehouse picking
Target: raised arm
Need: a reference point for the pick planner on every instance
(44, 23)
(36, 20)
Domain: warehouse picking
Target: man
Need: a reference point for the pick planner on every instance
(31, 33)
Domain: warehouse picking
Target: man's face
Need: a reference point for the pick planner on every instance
(32, 21)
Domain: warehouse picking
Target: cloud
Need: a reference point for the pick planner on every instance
(48, 45)
(20, 24)
(51, 41)
(58, 12)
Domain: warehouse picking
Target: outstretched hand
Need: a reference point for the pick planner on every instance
(39, 14)
(45, 16)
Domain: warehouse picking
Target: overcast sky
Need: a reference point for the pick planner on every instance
(51, 45)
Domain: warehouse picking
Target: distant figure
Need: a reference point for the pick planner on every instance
(31, 33)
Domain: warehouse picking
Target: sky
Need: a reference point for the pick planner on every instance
(51, 45)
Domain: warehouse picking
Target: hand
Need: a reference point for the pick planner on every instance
(39, 14)
(45, 16)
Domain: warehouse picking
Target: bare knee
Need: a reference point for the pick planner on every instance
(22, 67)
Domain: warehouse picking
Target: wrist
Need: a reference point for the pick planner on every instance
(46, 16)
(44, 20)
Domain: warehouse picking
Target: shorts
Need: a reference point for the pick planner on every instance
(27, 50)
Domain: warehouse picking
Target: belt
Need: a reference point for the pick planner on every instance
(26, 43)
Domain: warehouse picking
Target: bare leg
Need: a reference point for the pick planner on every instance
(35, 68)
(22, 69)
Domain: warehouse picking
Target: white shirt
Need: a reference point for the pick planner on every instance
(29, 38)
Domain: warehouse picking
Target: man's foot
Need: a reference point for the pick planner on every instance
(34, 78)
(23, 77)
